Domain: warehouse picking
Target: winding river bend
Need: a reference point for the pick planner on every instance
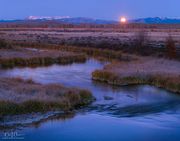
(142, 113)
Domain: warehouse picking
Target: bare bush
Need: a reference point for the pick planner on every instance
(140, 42)
(171, 48)
(4, 44)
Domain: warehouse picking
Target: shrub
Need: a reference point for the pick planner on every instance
(140, 43)
(4, 44)
(171, 48)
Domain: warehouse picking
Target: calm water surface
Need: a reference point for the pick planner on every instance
(142, 113)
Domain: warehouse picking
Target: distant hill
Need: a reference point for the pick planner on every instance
(78, 20)
(9, 21)
(86, 21)
(82, 20)
(156, 20)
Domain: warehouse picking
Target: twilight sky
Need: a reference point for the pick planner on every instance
(102, 9)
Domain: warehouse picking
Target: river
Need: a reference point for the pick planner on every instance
(128, 113)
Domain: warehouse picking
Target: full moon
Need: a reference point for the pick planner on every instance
(123, 20)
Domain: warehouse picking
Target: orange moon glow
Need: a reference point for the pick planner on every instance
(123, 20)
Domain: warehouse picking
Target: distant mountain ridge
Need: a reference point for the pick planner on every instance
(84, 20)
(157, 20)
(46, 17)
(77, 20)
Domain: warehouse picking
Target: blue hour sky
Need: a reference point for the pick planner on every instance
(101, 9)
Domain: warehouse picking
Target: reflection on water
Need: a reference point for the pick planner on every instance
(14, 122)
(143, 112)
(92, 127)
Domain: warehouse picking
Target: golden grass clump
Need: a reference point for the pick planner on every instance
(169, 83)
(25, 96)
(21, 57)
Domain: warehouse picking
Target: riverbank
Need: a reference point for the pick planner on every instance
(162, 73)
(33, 57)
(19, 96)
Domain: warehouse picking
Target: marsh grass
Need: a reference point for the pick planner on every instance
(39, 60)
(162, 81)
(12, 108)
(24, 96)
(106, 53)
(94, 52)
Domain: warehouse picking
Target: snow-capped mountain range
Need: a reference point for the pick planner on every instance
(157, 20)
(81, 20)
(47, 17)
(77, 20)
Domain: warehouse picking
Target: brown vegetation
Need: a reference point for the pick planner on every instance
(107, 54)
(4, 44)
(19, 96)
(139, 44)
(171, 48)
(25, 57)
(54, 26)
(157, 72)
(139, 38)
